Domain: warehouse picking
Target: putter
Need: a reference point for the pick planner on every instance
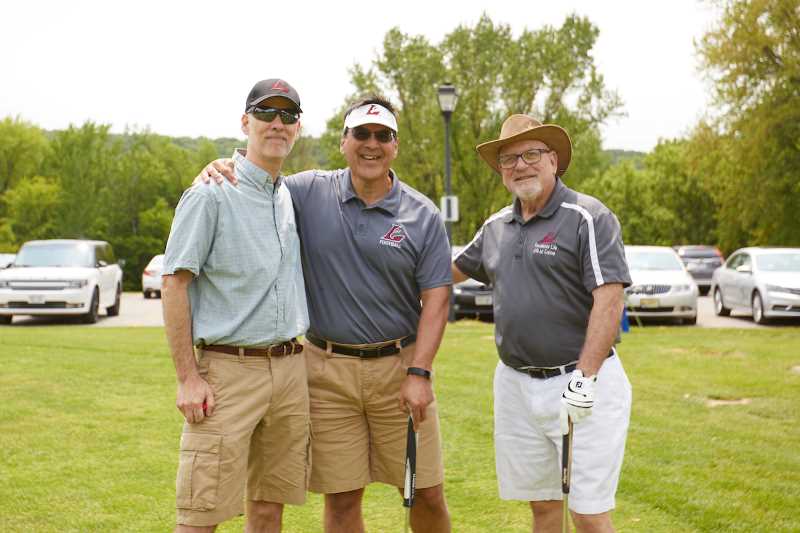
(410, 484)
(566, 471)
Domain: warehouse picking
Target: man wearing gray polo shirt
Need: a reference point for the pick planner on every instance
(233, 287)
(556, 261)
(377, 265)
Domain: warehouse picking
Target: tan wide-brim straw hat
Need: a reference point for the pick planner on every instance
(523, 127)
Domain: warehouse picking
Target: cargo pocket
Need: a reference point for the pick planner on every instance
(198, 471)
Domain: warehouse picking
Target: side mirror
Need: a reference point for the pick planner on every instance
(121, 263)
(744, 269)
(102, 263)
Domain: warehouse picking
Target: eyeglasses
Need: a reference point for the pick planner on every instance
(382, 136)
(269, 114)
(534, 155)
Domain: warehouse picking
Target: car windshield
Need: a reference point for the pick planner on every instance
(652, 260)
(55, 254)
(699, 252)
(779, 262)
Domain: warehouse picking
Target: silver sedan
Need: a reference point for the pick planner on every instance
(662, 288)
(764, 280)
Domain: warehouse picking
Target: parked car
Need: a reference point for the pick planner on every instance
(661, 286)
(6, 260)
(701, 261)
(151, 277)
(472, 298)
(764, 280)
(61, 277)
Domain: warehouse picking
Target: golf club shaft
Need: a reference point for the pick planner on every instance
(566, 472)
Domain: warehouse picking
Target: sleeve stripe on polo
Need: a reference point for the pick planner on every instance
(598, 276)
(480, 231)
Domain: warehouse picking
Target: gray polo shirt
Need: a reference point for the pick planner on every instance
(365, 266)
(543, 272)
(241, 244)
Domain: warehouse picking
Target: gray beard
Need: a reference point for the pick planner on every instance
(530, 193)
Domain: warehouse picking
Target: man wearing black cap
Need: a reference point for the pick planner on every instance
(233, 288)
(556, 261)
(377, 264)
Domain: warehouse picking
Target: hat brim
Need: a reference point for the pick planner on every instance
(555, 137)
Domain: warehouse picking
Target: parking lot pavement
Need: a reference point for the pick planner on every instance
(135, 311)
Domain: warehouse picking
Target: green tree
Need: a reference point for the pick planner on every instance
(23, 148)
(752, 56)
(30, 205)
(83, 159)
(549, 73)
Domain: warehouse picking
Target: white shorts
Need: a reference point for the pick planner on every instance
(527, 438)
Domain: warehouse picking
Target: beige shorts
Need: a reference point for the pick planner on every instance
(258, 435)
(359, 426)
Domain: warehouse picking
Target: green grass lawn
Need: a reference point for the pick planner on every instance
(89, 433)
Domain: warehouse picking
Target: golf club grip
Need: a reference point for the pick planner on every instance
(410, 484)
(566, 459)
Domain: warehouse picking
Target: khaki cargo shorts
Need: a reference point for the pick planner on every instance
(358, 424)
(258, 435)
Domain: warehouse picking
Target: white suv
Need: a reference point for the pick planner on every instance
(61, 277)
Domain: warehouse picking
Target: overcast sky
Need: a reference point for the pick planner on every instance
(184, 68)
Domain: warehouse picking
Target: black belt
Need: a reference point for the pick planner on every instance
(550, 372)
(378, 351)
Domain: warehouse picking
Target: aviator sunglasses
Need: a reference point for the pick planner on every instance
(268, 114)
(382, 136)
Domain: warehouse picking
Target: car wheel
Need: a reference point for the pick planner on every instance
(758, 309)
(146, 295)
(704, 290)
(158, 294)
(114, 309)
(719, 305)
(6, 319)
(91, 316)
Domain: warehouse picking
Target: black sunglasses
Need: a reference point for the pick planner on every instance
(269, 114)
(382, 136)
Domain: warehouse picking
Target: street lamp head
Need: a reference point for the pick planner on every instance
(448, 96)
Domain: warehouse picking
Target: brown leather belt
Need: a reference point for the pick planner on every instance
(276, 350)
(378, 351)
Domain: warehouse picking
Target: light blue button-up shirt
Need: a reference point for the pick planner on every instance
(241, 244)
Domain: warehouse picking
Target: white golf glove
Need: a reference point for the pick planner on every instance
(577, 399)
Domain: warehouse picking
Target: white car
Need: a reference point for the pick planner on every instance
(151, 277)
(61, 277)
(661, 285)
(763, 280)
(6, 260)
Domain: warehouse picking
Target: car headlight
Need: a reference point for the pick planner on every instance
(77, 283)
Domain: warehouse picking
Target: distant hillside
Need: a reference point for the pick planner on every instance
(621, 155)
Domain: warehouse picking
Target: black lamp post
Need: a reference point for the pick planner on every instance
(447, 103)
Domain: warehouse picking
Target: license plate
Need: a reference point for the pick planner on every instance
(36, 298)
(649, 302)
(483, 300)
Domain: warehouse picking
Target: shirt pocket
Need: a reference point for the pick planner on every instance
(198, 471)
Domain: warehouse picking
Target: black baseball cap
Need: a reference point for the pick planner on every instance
(271, 87)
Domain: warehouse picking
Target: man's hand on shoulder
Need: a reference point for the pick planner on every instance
(195, 399)
(218, 170)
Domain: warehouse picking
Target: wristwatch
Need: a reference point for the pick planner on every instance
(417, 371)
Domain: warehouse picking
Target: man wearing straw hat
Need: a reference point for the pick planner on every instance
(557, 263)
